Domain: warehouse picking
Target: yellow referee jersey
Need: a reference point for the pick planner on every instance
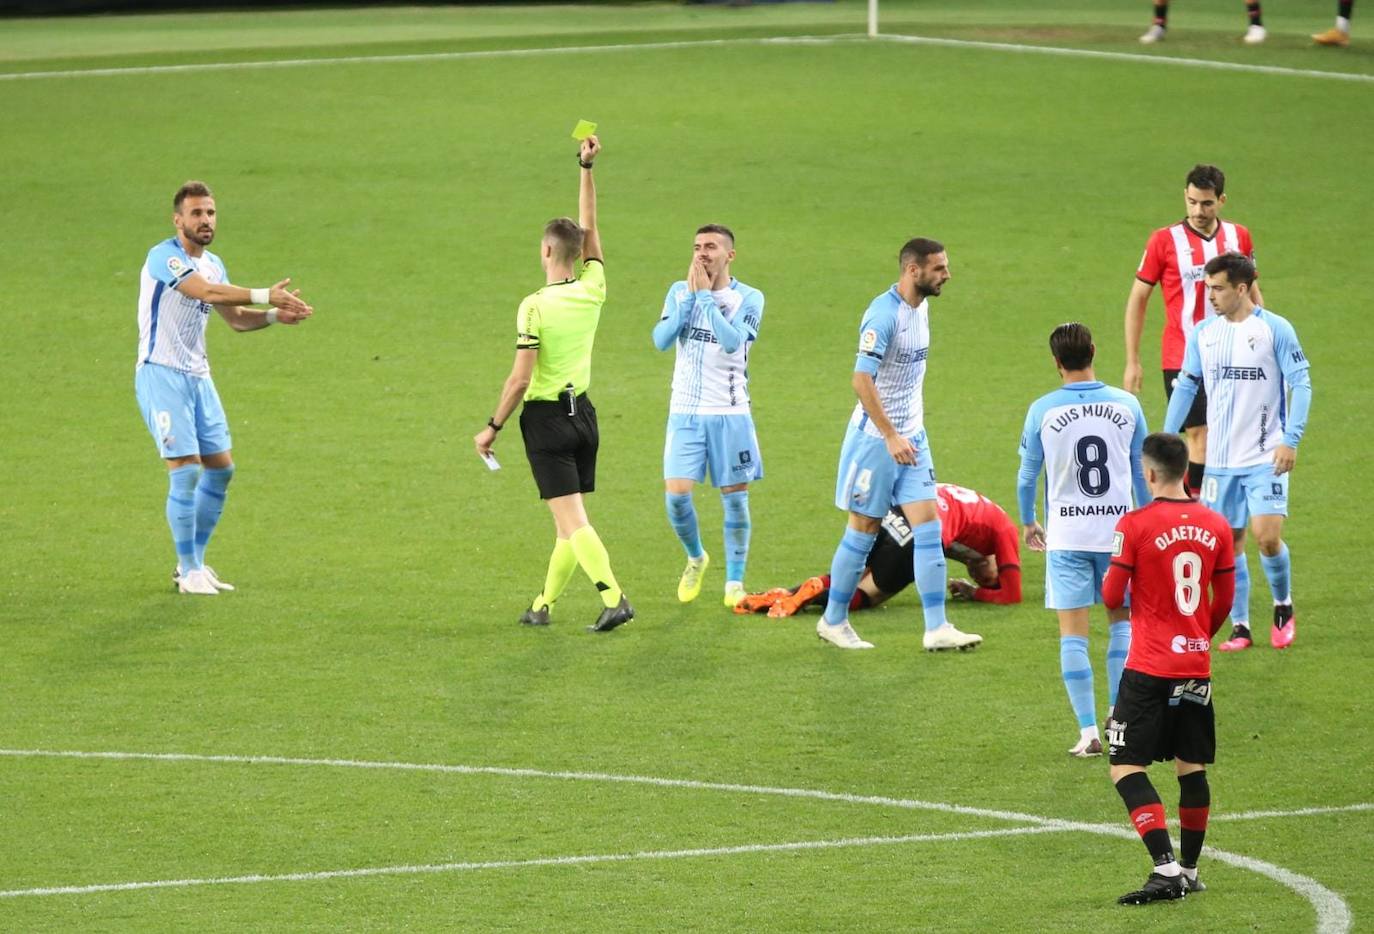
(560, 322)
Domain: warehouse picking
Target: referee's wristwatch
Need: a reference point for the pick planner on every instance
(491, 423)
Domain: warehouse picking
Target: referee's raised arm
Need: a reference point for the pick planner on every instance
(586, 200)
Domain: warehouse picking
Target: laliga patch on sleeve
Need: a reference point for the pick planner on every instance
(177, 268)
(868, 341)
(1118, 543)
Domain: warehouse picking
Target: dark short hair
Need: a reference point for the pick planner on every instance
(1238, 268)
(1207, 177)
(567, 238)
(721, 229)
(1072, 345)
(916, 250)
(1167, 454)
(192, 189)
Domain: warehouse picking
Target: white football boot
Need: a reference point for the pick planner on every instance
(842, 635)
(946, 637)
(196, 582)
(209, 573)
(1254, 35)
(1152, 35)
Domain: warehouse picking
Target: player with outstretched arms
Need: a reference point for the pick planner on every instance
(1087, 437)
(1249, 360)
(1174, 259)
(1170, 553)
(181, 281)
(713, 320)
(886, 460)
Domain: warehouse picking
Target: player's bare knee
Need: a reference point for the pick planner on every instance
(862, 523)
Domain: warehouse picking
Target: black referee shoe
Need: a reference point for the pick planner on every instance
(533, 617)
(613, 616)
(1157, 888)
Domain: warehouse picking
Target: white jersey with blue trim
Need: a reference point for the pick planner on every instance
(171, 326)
(894, 341)
(1243, 366)
(1088, 436)
(708, 380)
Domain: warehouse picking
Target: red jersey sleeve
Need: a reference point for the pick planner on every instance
(1008, 555)
(1122, 566)
(1152, 264)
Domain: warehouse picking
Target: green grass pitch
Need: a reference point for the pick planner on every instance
(381, 567)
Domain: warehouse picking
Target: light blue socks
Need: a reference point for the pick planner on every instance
(1078, 678)
(1277, 570)
(682, 516)
(181, 514)
(928, 562)
(1118, 646)
(736, 533)
(210, 493)
(1240, 606)
(845, 570)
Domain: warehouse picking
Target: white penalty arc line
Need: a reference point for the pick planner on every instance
(1333, 914)
(591, 858)
(1137, 57)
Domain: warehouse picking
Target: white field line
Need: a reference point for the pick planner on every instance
(1299, 812)
(1128, 57)
(195, 67)
(1333, 914)
(683, 44)
(524, 863)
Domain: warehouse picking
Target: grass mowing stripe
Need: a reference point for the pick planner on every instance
(418, 57)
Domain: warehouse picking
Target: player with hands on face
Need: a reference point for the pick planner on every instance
(711, 319)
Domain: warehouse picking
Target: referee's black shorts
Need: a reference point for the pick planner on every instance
(561, 448)
(1162, 718)
(1197, 415)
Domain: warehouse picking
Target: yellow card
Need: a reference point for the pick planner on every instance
(583, 129)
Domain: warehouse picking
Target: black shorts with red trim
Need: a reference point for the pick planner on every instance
(1162, 718)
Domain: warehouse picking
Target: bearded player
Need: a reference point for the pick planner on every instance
(1174, 260)
(975, 531)
(1169, 553)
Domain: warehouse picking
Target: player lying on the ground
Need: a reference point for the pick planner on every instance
(976, 532)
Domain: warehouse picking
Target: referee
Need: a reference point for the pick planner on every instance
(555, 329)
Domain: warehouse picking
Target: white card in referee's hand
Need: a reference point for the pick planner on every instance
(490, 460)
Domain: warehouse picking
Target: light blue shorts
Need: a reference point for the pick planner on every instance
(1240, 495)
(1073, 579)
(871, 482)
(183, 412)
(726, 444)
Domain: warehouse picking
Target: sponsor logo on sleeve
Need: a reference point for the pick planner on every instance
(176, 267)
(868, 341)
(1118, 542)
